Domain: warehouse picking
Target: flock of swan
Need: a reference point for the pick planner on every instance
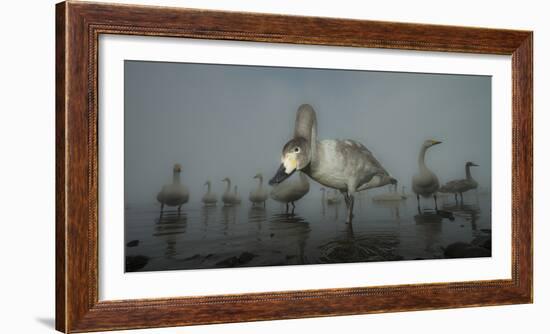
(176, 194)
(345, 166)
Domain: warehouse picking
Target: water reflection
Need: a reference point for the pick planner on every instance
(245, 235)
(168, 226)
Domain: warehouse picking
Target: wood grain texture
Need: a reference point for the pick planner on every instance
(78, 27)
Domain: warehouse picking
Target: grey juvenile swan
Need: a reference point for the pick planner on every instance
(425, 182)
(461, 186)
(174, 194)
(345, 165)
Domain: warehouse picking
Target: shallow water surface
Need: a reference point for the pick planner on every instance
(248, 236)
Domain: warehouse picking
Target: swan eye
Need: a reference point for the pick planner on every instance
(296, 150)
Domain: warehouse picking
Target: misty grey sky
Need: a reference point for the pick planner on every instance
(226, 120)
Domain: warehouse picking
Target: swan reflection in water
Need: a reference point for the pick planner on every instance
(291, 232)
(350, 246)
(168, 227)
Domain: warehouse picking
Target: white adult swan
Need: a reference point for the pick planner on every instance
(228, 197)
(461, 186)
(345, 165)
(258, 196)
(175, 194)
(237, 199)
(290, 191)
(210, 198)
(425, 182)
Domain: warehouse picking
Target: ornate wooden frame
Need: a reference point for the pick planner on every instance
(78, 25)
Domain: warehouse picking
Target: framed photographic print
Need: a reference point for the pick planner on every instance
(222, 166)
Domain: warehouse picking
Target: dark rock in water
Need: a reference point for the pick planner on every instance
(194, 257)
(246, 257)
(229, 262)
(464, 250)
(234, 261)
(135, 263)
(132, 243)
(446, 214)
(482, 241)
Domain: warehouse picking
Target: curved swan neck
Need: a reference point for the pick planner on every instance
(261, 181)
(468, 174)
(421, 156)
(306, 126)
(176, 177)
(228, 188)
(209, 186)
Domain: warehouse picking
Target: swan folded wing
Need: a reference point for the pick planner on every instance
(374, 174)
(451, 186)
(344, 163)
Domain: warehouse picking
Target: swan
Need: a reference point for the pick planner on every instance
(461, 186)
(323, 196)
(228, 197)
(258, 196)
(210, 198)
(327, 198)
(174, 194)
(237, 199)
(290, 191)
(403, 193)
(391, 195)
(425, 182)
(334, 198)
(345, 165)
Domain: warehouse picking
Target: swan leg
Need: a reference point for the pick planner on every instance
(351, 201)
(456, 198)
(435, 201)
(161, 208)
(461, 198)
(346, 197)
(293, 207)
(179, 209)
(286, 207)
(418, 202)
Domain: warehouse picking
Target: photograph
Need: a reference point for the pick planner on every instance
(231, 166)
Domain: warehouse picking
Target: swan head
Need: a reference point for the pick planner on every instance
(207, 183)
(226, 179)
(177, 168)
(296, 156)
(258, 176)
(469, 164)
(430, 143)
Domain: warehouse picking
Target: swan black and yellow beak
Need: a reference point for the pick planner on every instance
(280, 175)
